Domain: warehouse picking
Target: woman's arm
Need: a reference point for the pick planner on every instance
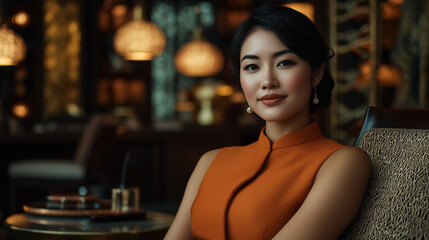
(181, 227)
(334, 199)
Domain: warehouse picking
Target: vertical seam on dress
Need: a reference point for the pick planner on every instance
(244, 184)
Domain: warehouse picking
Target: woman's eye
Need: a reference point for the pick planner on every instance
(251, 67)
(285, 63)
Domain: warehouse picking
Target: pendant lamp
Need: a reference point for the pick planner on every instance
(139, 40)
(198, 58)
(12, 47)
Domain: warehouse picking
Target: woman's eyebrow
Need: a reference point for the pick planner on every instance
(249, 57)
(276, 54)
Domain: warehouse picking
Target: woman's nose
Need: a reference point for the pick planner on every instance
(269, 80)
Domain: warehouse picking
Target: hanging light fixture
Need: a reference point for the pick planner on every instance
(198, 58)
(12, 47)
(139, 40)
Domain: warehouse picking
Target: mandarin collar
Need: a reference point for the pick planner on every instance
(297, 137)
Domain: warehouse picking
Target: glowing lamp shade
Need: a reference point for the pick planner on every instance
(20, 110)
(139, 41)
(305, 8)
(199, 59)
(12, 47)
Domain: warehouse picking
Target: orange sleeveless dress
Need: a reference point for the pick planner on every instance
(251, 192)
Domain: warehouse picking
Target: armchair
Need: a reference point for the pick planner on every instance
(396, 205)
(96, 144)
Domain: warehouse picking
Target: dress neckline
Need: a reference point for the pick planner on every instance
(300, 136)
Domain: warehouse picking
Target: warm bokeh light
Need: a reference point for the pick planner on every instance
(139, 40)
(237, 97)
(224, 90)
(62, 39)
(119, 10)
(73, 27)
(73, 109)
(119, 88)
(397, 2)
(20, 110)
(186, 106)
(119, 15)
(387, 75)
(390, 11)
(305, 8)
(235, 18)
(136, 91)
(21, 19)
(103, 20)
(199, 59)
(12, 47)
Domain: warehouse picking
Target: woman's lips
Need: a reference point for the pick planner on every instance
(271, 99)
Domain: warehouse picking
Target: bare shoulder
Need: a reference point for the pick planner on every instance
(209, 156)
(348, 165)
(352, 153)
(349, 159)
(206, 160)
(201, 168)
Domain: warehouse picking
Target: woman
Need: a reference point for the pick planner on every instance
(292, 183)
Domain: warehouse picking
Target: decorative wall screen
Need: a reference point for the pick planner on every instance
(61, 62)
(353, 36)
(178, 22)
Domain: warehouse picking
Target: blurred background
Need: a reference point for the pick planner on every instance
(163, 69)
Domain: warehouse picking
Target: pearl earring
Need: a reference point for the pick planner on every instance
(316, 100)
(249, 110)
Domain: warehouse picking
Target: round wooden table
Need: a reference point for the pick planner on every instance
(28, 226)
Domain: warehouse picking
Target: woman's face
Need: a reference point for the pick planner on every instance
(276, 82)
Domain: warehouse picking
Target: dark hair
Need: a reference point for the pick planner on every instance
(299, 34)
